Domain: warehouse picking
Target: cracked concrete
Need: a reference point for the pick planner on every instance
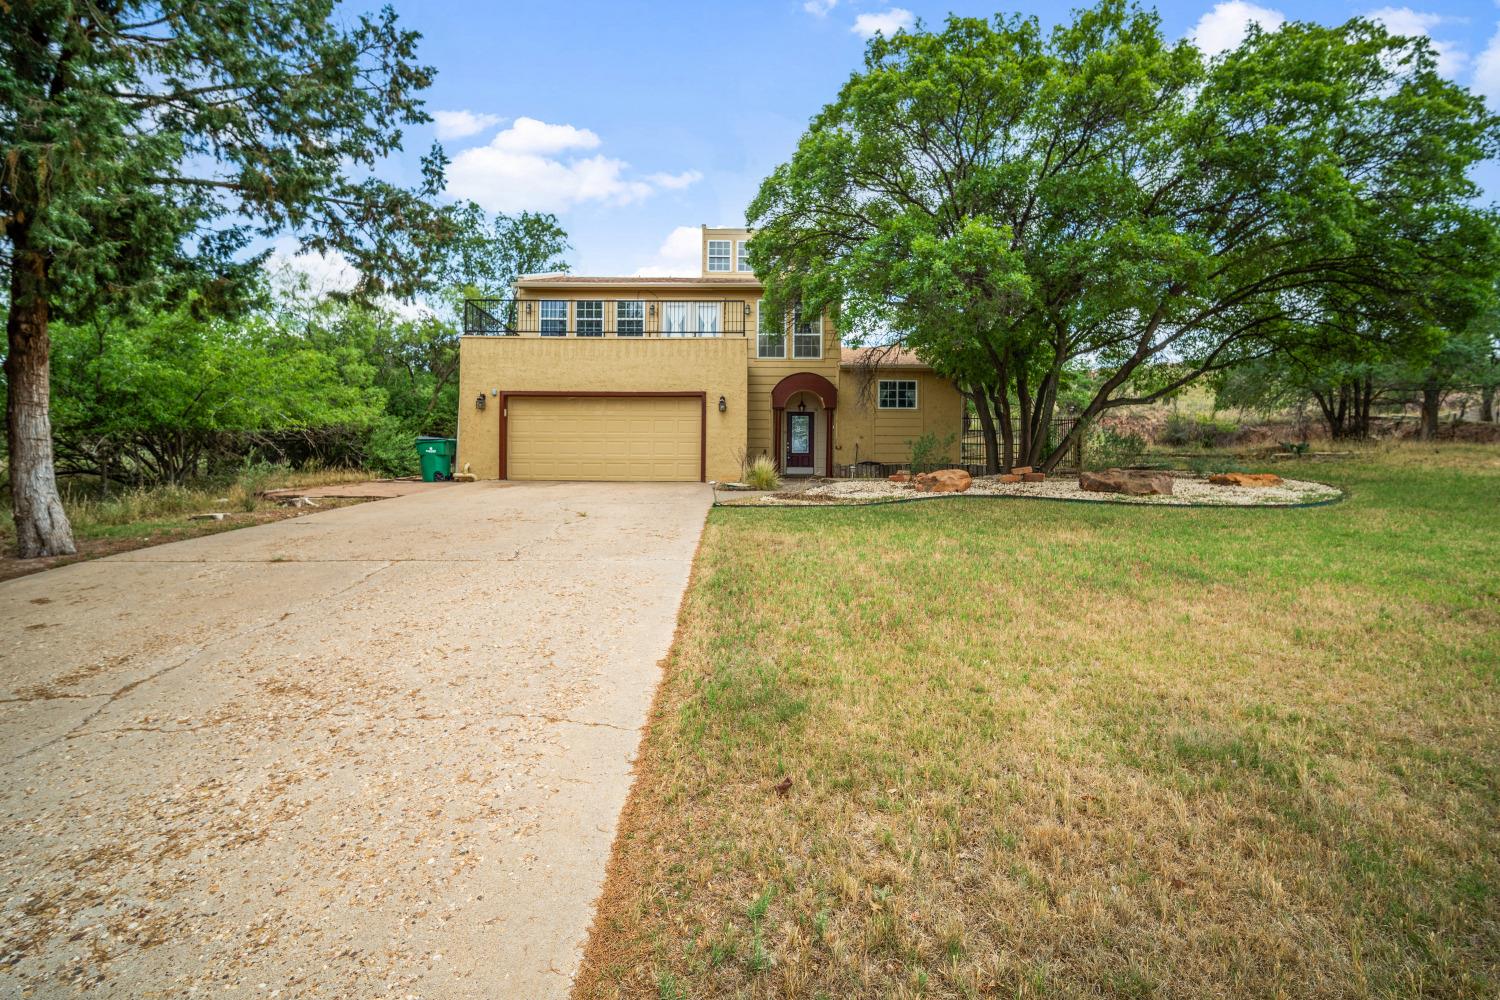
(373, 751)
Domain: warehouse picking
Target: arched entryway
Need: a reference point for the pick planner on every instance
(803, 441)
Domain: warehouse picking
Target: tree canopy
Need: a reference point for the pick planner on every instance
(1017, 205)
(147, 143)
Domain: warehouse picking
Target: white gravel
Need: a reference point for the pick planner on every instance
(1187, 491)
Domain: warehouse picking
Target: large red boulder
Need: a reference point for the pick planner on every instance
(1255, 480)
(943, 481)
(1130, 482)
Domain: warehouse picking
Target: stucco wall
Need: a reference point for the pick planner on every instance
(766, 372)
(715, 366)
(866, 433)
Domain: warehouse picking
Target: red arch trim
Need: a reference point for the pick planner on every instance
(804, 382)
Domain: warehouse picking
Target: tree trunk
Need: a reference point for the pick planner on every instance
(42, 527)
(1023, 403)
(1432, 400)
(1007, 428)
(987, 428)
(1487, 404)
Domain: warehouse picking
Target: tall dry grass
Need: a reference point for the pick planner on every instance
(1074, 750)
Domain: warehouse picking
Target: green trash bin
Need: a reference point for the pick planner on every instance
(437, 458)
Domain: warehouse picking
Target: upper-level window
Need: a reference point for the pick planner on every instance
(718, 255)
(897, 394)
(630, 319)
(590, 317)
(690, 319)
(742, 255)
(770, 340)
(554, 318)
(807, 337)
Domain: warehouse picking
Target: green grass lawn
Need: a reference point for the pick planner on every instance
(1044, 749)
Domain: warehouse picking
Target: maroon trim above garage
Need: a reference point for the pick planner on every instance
(702, 398)
(804, 382)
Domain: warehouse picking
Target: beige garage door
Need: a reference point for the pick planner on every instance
(640, 438)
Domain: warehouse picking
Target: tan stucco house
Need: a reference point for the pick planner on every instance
(679, 379)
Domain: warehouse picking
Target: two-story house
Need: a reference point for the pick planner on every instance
(679, 379)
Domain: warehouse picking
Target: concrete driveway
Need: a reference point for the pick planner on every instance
(377, 751)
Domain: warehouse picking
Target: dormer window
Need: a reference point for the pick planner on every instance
(718, 255)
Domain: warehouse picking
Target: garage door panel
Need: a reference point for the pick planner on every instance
(620, 439)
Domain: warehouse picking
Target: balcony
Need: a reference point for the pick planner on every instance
(624, 318)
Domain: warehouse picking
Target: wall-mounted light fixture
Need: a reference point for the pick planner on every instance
(528, 308)
(722, 405)
(479, 401)
(747, 309)
(653, 308)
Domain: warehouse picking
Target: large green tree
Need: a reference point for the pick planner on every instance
(1017, 205)
(146, 144)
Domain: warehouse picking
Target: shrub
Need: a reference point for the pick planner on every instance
(761, 474)
(1105, 448)
(928, 451)
(392, 449)
(1182, 430)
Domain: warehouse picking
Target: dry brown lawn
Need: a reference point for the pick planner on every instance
(1078, 750)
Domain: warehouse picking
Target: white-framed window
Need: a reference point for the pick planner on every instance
(674, 319)
(770, 338)
(718, 255)
(554, 315)
(690, 319)
(742, 255)
(589, 316)
(807, 337)
(630, 319)
(708, 319)
(897, 394)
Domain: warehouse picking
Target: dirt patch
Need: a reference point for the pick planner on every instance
(378, 489)
(98, 548)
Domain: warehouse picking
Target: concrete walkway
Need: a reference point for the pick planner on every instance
(376, 751)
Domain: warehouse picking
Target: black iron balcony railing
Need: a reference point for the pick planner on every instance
(625, 318)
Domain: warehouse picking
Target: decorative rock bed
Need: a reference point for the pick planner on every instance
(1188, 490)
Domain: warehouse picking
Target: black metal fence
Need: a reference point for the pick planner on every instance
(970, 455)
(625, 318)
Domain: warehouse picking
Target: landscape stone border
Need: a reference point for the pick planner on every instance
(1115, 500)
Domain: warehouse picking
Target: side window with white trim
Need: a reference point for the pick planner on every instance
(897, 394)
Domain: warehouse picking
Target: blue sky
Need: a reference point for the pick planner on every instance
(630, 120)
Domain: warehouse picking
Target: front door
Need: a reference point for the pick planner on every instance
(799, 440)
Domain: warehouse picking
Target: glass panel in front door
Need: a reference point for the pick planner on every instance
(799, 440)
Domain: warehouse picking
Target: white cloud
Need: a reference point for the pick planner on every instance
(1487, 72)
(1411, 23)
(887, 23)
(533, 165)
(680, 255)
(323, 273)
(819, 8)
(528, 135)
(675, 182)
(1227, 24)
(458, 124)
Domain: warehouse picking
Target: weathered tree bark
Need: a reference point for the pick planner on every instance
(1007, 427)
(981, 399)
(42, 527)
(1432, 399)
(1487, 404)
